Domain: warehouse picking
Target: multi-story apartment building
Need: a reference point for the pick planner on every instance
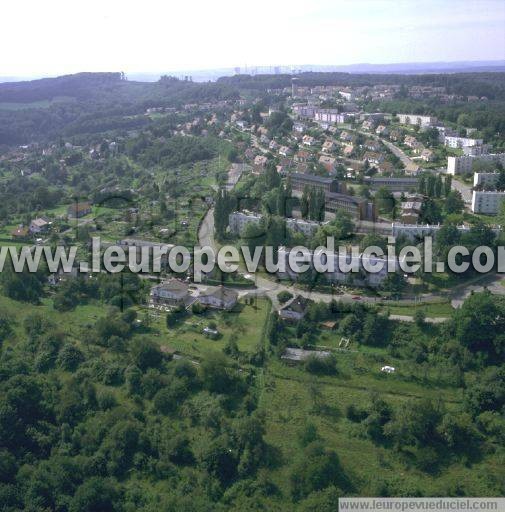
(304, 111)
(237, 221)
(414, 119)
(403, 184)
(357, 207)
(331, 116)
(488, 202)
(461, 142)
(357, 263)
(485, 179)
(464, 164)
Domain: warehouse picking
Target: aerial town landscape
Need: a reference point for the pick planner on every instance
(210, 388)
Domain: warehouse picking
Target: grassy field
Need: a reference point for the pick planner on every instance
(246, 321)
(292, 397)
(71, 322)
(443, 309)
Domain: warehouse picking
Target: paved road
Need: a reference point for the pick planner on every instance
(398, 152)
(406, 160)
(206, 230)
(464, 189)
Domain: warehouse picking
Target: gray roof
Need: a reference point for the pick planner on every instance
(297, 304)
(222, 293)
(311, 178)
(173, 286)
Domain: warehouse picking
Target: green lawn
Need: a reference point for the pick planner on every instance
(443, 309)
(71, 322)
(293, 397)
(246, 321)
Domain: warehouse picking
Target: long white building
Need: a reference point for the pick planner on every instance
(239, 220)
(464, 164)
(359, 276)
(414, 119)
(461, 142)
(483, 179)
(488, 202)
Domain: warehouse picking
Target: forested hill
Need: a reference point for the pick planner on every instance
(81, 85)
(91, 103)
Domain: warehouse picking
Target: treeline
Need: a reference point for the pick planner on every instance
(491, 85)
(92, 103)
(174, 151)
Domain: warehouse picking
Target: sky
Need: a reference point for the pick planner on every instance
(54, 37)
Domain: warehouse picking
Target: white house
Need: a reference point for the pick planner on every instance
(171, 293)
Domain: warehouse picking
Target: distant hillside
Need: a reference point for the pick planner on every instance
(79, 86)
(91, 103)
(491, 85)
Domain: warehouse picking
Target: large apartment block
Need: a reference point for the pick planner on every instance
(488, 202)
(403, 184)
(301, 180)
(414, 119)
(330, 115)
(461, 142)
(485, 179)
(357, 207)
(464, 164)
(338, 275)
(239, 220)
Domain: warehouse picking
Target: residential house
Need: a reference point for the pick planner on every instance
(308, 140)
(382, 130)
(273, 145)
(219, 298)
(20, 232)
(348, 150)
(39, 225)
(346, 137)
(385, 167)
(172, 293)
(327, 162)
(412, 169)
(295, 309)
(373, 145)
(372, 157)
(302, 156)
(411, 209)
(285, 151)
(427, 155)
(411, 142)
(260, 162)
(395, 135)
(328, 146)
